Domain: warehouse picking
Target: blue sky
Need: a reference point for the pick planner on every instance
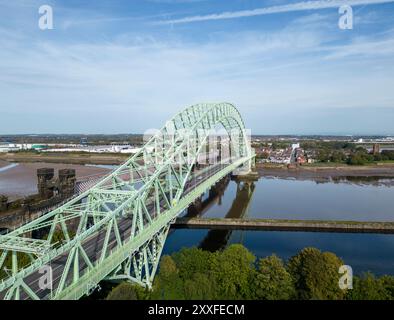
(112, 66)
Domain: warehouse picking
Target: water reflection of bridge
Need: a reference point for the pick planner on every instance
(217, 239)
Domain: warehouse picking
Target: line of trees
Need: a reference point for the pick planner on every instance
(234, 273)
(361, 157)
(345, 152)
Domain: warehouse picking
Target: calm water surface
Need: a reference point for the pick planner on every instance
(301, 199)
(307, 199)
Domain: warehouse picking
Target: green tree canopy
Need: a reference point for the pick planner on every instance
(200, 286)
(315, 274)
(168, 285)
(124, 291)
(233, 270)
(233, 274)
(193, 260)
(368, 287)
(272, 281)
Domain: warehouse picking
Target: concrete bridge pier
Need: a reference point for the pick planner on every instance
(196, 207)
(45, 182)
(246, 177)
(215, 192)
(219, 187)
(247, 170)
(66, 183)
(3, 203)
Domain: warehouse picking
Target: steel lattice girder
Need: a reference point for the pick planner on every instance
(26, 245)
(134, 205)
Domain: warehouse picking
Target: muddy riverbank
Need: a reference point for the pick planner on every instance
(324, 173)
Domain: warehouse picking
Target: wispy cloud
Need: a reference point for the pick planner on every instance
(299, 6)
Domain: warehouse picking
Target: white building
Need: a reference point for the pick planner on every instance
(8, 147)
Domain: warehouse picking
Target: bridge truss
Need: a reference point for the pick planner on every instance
(117, 228)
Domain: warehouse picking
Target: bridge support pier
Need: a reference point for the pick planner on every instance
(3, 203)
(196, 207)
(251, 176)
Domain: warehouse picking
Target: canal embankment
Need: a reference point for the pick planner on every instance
(286, 225)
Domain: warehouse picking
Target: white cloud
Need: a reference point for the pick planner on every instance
(299, 6)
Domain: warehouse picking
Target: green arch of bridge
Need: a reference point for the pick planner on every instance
(196, 122)
(192, 121)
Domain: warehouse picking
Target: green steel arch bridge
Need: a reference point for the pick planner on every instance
(116, 229)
